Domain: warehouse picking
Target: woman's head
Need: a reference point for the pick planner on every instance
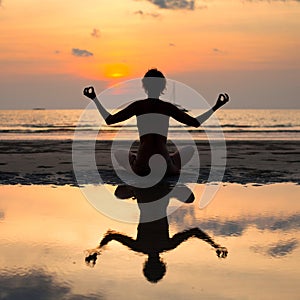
(154, 82)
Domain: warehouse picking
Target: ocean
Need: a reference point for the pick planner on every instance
(236, 124)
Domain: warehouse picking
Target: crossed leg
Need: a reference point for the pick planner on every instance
(178, 159)
(125, 159)
(182, 156)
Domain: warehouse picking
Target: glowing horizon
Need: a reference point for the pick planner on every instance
(122, 40)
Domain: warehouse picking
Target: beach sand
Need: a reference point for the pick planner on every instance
(50, 162)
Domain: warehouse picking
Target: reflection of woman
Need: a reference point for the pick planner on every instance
(153, 122)
(153, 237)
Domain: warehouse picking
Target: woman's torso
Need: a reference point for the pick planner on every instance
(153, 125)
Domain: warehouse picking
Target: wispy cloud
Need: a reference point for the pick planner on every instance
(147, 14)
(238, 226)
(279, 249)
(81, 52)
(174, 4)
(172, 45)
(218, 51)
(37, 284)
(96, 33)
(282, 248)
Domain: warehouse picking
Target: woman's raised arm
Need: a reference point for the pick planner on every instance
(222, 99)
(90, 93)
(120, 116)
(186, 119)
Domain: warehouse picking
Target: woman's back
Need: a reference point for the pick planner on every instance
(152, 117)
(153, 124)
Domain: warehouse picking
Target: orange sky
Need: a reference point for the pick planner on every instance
(98, 42)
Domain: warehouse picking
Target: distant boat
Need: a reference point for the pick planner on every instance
(39, 108)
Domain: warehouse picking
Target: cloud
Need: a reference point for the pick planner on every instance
(282, 248)
(81, 52)
(145, 14)
(172, 45)
(226, 228)
(174, 4)
(57, 52)
(96, 33)
(238, 226)
(277, 250)
(36, 285)
(139, 12)
(218, 51)
(2, 215)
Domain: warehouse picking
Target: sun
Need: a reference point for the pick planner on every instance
(116, 70)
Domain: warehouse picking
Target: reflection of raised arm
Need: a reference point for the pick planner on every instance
(222, 99)
(181, 237)
(91, 254)
(122, 115)
(119, 237)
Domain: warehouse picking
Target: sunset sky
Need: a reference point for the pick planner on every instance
(51, 49)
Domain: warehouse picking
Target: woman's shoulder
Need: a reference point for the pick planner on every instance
(138, 102)
(148, 105)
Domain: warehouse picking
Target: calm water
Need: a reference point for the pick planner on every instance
(236, 125)
(45, 230)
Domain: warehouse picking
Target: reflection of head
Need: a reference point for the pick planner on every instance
(154, 82)
(154, 269)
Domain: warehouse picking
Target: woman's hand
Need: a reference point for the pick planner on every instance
(89, 92)
(222, 99)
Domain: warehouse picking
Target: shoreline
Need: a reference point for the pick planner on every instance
(49, 162)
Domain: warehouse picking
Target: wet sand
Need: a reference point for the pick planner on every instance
(50, 162)
(45, 230)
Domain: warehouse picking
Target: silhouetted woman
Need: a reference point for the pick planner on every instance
(153, 123)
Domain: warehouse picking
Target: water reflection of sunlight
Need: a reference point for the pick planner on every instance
(45, 229)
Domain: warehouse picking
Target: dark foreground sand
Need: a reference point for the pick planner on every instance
(50, 162)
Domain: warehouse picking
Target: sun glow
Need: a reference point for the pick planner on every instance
(116, 70)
